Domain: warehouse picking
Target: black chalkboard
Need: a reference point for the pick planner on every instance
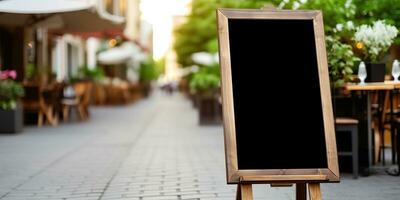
(279, 121)
(277, 109)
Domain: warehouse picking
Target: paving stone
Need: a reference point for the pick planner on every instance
(152, 150)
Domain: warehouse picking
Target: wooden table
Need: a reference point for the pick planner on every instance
(372, 86)
(389, 86)
(396, 84)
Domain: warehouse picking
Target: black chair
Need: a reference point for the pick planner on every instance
(384, 117)
(393, 171)
(36, 101)
(350, 125)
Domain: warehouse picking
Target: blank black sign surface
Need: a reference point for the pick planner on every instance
(279, 121)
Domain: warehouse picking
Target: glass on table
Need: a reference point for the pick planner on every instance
(362, 73)
(396, 70)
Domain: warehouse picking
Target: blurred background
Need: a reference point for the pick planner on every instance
(103, 99)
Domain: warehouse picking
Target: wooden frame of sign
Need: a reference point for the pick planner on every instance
(275, 176)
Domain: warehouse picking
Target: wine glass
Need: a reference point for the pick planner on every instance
(396, 70)
(362, 73)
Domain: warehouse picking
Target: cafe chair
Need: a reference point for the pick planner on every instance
(72, 98)
(384, 126)
(86, 99)
(53, 97)
(349, 125)
(34, 101)
(77, 97)
(394, 171)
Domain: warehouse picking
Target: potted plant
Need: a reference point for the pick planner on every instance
(374, 41)
(341, 64)
(11, 113)
(95, 74)
(147, 73)
(205, 84)
(341, 61)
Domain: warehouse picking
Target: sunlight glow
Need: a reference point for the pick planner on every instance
(160, 13)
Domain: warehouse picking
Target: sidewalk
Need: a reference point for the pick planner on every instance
(151, 150)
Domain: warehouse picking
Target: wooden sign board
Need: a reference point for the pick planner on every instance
(276, 131)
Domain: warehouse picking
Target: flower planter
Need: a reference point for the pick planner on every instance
(11, 120)
(194, 99)
(146, 89)
(210, 111)
(375, 72)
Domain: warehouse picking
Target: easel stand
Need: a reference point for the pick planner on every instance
(245, 191)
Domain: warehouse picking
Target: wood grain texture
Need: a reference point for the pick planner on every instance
(271, 14)
(283, 178)
(246, 191)
(330, 174)
(345, 120)
(326, 100)
(301, 191)
(314, 191)
(238, 192)
(370, 86)
(290, 174)
(227, 98)
(396, 84)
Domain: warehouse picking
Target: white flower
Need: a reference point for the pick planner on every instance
(348, 3)
(281, 5)
(339, 27)
(350, 25)
(303, 1)
(376, 38)
(216, 58)
(204, 58)
(296, 5)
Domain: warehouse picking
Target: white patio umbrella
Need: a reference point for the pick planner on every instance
(63, 15)
(44, 6)
(70, 15)
(121, 54)
(28, 12)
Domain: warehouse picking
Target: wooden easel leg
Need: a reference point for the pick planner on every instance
(315, 191)
(238, 193)
(244, 192)
(301, 191)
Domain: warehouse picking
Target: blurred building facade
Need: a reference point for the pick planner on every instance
(59, 43)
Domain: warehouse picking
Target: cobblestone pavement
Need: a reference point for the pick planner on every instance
(152, 150)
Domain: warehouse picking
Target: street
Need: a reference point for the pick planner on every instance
(153, 149)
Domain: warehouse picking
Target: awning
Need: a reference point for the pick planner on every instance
(65, 15)
(121, 54)
(86, 21)
(43, 6)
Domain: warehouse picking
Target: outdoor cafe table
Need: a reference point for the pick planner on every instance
(388, 86)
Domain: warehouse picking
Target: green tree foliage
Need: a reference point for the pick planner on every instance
(369, 11)
(205, 79)
(199, 30)
(96, 74)
(148, 71)
(334, 11)
(199, 33)
(10, 92)
(372, 10)
(341, 61)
